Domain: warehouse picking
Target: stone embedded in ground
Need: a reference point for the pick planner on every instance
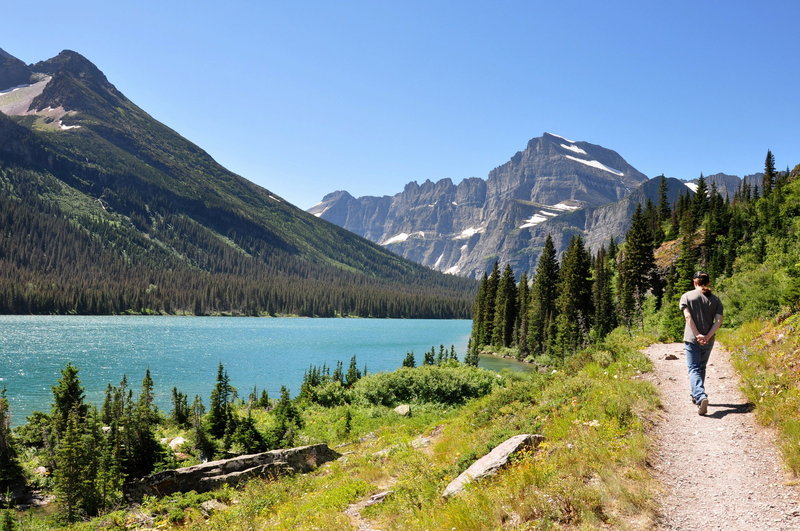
(670, 357)
(489, 464)
(377, 498)
(403, 409)
(210, 506)
(214, 474)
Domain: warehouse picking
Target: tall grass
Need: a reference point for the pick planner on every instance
(767, 356)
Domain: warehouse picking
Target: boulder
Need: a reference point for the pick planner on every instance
(214, 474)
(403, 410)
(489, 464)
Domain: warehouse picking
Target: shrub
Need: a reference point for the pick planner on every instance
(447, 384)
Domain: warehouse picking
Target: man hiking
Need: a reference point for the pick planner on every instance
(703, 313)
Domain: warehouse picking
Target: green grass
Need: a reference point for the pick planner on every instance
(589, 473)
(767, 356)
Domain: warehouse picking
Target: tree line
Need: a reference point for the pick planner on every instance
(53, 261)
(578, 300)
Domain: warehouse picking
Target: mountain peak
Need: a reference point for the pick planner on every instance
(73, 63)
(13, 72)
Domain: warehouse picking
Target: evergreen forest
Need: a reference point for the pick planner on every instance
(748, 244)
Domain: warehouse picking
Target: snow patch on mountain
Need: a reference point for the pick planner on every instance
(403, 236)
(576, 149)
(67, 127)
(562, 138)
(534, 220)
(468, 233)
(565, 207)
(596, 164)
(691, 186)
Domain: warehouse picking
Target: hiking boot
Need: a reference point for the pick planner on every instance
(702, 406)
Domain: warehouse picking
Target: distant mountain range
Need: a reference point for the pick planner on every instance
(555, 186)
(103, 209)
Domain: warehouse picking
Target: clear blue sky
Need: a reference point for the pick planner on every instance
(305, 98)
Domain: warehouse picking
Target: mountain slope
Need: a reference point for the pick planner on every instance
(78, 158)
(463, 228)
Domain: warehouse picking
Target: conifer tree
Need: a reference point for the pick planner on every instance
(353, 374)
(700, 202)
(338, 373)
(247, 437)
(478, 313)
(409, 360)
(521, 325)
(430, 358)
(636, 267)
(287, 421)
(664, 209)
(219, 404)
(70, 477)
(67, 397)
(768, 181)
(10, 469)
(180, 408)
(542, 308)
(489, 305)
(602, 295)
(574, 301)
(505, 309)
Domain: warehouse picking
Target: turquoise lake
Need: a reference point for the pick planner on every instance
(184, 352)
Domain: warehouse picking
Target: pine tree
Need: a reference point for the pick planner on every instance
(67, 397)
(70, 478)
(636, 267)
(146, 404)
(247, 437)
(353, 374)
(542, 308)
(768, 181)
(574, 301)
(10, 469)
(700, 202)
(505, 310)
(287, 421)
(602, 295)
(489, 305)
(478, 313)
(409, 360)
(664, 209)
(521, 325)
(180, 408)
(219, 404)
(338, 373)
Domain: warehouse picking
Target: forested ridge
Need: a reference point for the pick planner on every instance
(747, 244)
(120, 214)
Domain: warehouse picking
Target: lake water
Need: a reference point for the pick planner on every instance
(184, 352)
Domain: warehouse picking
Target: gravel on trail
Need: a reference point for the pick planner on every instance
(722, 470)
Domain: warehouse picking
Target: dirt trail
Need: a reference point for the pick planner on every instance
(721, 471)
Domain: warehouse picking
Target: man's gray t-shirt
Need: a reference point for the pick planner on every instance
(703, 307)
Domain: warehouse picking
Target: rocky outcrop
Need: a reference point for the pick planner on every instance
(491, 463)
(214, 474)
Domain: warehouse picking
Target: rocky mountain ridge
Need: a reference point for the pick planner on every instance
(556, 186)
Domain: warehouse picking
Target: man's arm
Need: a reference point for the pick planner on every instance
(693, 327)
(715, 326)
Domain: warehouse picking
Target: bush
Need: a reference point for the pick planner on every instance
(446, 384)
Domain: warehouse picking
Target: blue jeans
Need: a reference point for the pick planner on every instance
(696, 360)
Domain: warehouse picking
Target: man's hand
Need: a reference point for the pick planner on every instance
(702, 339)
